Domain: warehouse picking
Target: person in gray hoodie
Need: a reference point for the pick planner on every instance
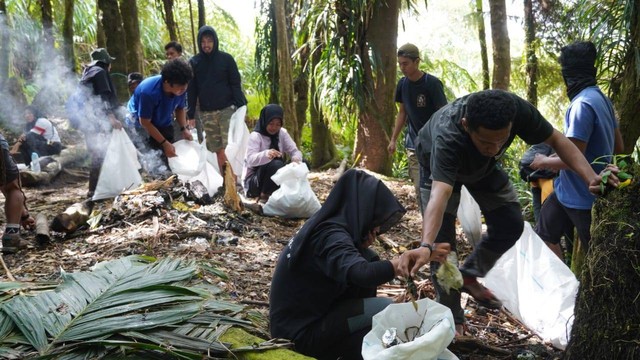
(216, 88)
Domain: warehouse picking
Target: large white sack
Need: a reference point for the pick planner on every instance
(119, 171)
(191, 164)
(537, 287)
(435, 323)
(294, 198)
(470, 217)
(237, 140)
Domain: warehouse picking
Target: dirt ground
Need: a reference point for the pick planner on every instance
(243, 245)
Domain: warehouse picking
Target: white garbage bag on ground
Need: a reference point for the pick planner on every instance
(119, 171)
(537, 287)
(191, 164)
(294, 198)
(431, 326)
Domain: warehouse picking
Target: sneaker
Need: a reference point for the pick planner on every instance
(11, 243)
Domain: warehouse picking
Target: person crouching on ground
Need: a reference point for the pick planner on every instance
(268, 142)
(40, 137)
(323, 292)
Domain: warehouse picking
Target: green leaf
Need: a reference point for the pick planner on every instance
(623, 175)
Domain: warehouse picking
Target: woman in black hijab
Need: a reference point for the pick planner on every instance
(323, 292)
(265, 153)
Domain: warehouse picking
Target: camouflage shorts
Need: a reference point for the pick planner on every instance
(216, 127)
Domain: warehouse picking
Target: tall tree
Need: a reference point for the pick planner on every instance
(285, 70)
(202, 15)
(530, 52)
(116, 43)
(377, 114)
(67, 35)
(482, 37)
(266, 50)
(5, 37)
(131, 26)
(169, 19)
(501, 45)
(47, 23)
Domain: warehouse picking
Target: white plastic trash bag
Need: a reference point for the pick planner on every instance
(431, 322)
(191, 164)
(237, 140)
(189, 161)
(537, 287)
(470, 217)
(294, 198)
(119, 171)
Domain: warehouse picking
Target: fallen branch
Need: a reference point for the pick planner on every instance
(42, 229)
(6, 269)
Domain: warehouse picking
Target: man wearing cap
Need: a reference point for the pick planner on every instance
(216, 88)
(418, 95)
(97, 114)
(589, 123)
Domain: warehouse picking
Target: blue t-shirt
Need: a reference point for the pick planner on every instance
(150, 102)
(591, 119)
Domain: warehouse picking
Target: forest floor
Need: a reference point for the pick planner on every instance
(245, 246)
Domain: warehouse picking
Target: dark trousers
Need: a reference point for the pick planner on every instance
(97, 144)
(35, 143)
(260, 181)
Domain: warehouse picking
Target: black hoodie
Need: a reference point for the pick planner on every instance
(216, 80)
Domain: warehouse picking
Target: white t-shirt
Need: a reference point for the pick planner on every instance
(46, 129)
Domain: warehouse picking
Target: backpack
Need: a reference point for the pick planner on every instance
(528, 174)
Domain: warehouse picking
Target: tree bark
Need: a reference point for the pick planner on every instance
(285, 69)
(169, 19)
(101, 38)
(301, 88)
(627, 102)
(482, 37)
(116, 45)
(376, 119)
(501, 45)
(324, 153)
(131, 26)
(47, 24)
(202, 21)
(530, 53)
(193, 30)
(67, 35)
(607, 315)
(5, 49)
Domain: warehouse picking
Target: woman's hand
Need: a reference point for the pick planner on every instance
(273, 153)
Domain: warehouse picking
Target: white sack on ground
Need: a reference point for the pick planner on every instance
(119, 171)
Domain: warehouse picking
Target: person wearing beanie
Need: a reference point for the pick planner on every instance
(591, 125)
(418, 95)
(266, 147)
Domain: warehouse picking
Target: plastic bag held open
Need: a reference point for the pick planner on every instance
(119, 171)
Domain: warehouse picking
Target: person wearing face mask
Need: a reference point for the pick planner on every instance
(268, 143)
(155, 102)
(323, 291)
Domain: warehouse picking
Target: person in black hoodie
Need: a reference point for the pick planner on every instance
(216, 87)
(323, 291)
(92, 108)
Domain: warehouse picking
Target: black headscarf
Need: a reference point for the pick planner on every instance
(357, 203)
(578, 66)
(268, 113)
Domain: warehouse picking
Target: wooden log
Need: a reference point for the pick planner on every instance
(341, 169)
(66, 157)
(73, 217)
(42, 229)
(231, 197)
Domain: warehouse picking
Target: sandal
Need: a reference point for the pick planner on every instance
(484, 297)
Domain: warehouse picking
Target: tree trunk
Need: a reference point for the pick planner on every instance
(193, 30)
(606, 311)
(285, 69)
(47, 24)
(324, 152)
(202, 20)
(530, 53)
(131, 25)
(67, 35)
(627, 102)
(169, 19)
(500, 37)
(101, 38)
(482, 37)
(116, 45)
(5, 47)
(301, 89)
(376, 119)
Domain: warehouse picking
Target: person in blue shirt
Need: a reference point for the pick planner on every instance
(591, 125)
(156, 100)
